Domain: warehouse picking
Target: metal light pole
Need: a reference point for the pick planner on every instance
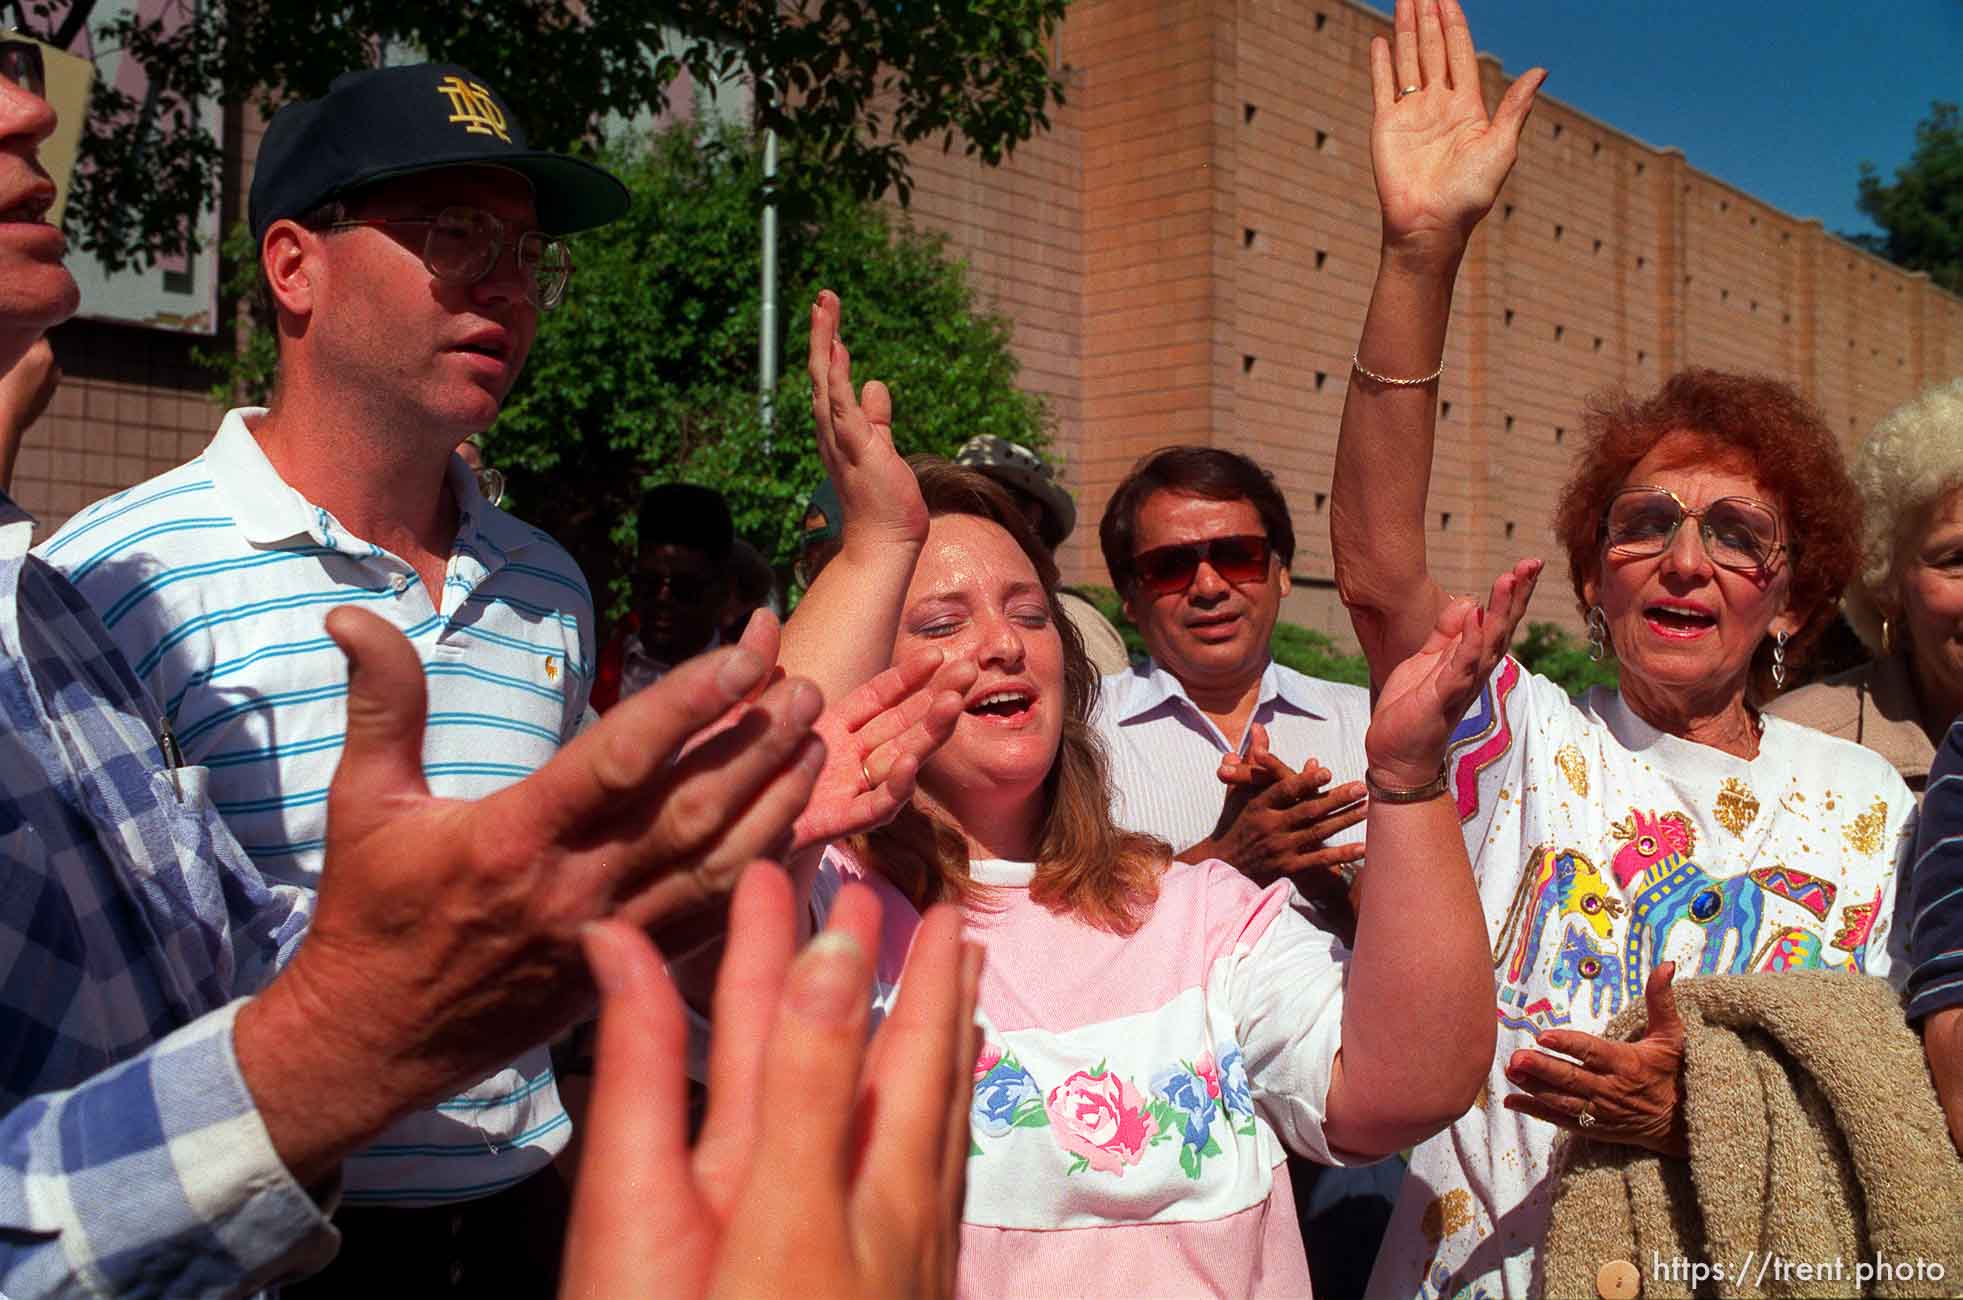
(767, 313)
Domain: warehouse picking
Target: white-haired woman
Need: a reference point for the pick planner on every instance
(1907, 602)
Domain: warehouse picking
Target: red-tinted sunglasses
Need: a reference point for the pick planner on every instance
(1164, 570)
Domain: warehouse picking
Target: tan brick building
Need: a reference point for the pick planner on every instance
(1186, 255)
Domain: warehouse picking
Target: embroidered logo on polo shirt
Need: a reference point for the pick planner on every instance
(551, 668)
(471, 104)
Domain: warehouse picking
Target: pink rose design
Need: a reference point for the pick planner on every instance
(1101, 1118)
(1207, 1070)
(986, 1059)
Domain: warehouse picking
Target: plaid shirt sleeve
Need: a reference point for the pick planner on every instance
(132, 1158)
(154, 1177)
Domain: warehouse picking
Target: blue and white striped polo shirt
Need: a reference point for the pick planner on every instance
(215, 580)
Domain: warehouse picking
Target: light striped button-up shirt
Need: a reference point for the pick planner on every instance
(215, 579)
(1165, 753)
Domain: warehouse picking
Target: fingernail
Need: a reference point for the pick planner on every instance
(739, 672)
(807, 702)
(604, 958)
(811, 754)
(827, 983)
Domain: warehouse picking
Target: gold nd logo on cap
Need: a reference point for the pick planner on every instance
(471, 104)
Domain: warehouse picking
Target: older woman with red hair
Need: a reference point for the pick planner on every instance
(1670, 824)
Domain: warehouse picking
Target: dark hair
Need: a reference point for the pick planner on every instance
(686, 514)
(1086, 866)
(1766, 429)
(1191, 471)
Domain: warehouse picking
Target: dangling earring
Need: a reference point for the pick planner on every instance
(1598, 633)
(1887, 637)
(1779, 660)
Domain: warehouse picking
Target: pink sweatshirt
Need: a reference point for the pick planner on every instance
(1134, 1092)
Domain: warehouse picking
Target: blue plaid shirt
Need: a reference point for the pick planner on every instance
(132, 1158)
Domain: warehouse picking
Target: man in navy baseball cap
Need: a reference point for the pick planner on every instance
(409, 242)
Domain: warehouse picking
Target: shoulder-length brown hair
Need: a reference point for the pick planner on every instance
(1086, 866)
(1768, 430)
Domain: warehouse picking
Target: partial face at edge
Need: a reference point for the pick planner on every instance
(36, 289)
(1928, 604)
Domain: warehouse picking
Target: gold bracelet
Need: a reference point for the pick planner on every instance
(1390, 382)
(1431, 789)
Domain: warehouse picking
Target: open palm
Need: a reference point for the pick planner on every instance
(1425, 696)
(1439, 160)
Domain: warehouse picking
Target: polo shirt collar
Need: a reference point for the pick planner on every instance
(269, 512)
(266, 510)
(478, 521)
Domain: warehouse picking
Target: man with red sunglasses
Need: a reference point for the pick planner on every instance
(1199, 542)
(1224, 753)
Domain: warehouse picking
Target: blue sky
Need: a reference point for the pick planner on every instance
(1783, 101)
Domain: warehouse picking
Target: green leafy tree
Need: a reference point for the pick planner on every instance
(648, 373)
(852, 82)
(1921, 212)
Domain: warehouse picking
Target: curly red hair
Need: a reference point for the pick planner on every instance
(1753, 425)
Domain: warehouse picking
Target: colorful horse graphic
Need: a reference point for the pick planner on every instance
(1581, 965)
(1556, 883)
(1668, 887)
(1795, 949)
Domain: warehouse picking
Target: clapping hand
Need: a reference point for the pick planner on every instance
(1277, 822)
(1427, 694)
(836, 1172)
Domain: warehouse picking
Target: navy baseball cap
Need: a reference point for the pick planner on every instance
(380, 123)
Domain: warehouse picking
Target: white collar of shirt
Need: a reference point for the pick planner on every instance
(1001, 872)
(270, 512)
(1147, 688)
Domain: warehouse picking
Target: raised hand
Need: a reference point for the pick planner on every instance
(1439, 160)
(1427, 694)
(837, 1172)
(445, 940)
(876, 490)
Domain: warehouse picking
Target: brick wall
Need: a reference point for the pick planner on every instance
(1186, 255)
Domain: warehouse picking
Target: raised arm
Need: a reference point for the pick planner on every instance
(885, 525)
(1439, 163)
(1418, 1029)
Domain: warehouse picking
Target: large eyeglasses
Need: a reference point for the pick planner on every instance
(1164, 570)
(1740, 533)
(21, 63)
(464, 244)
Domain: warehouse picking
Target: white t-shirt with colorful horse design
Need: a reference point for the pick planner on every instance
(1604, 847)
